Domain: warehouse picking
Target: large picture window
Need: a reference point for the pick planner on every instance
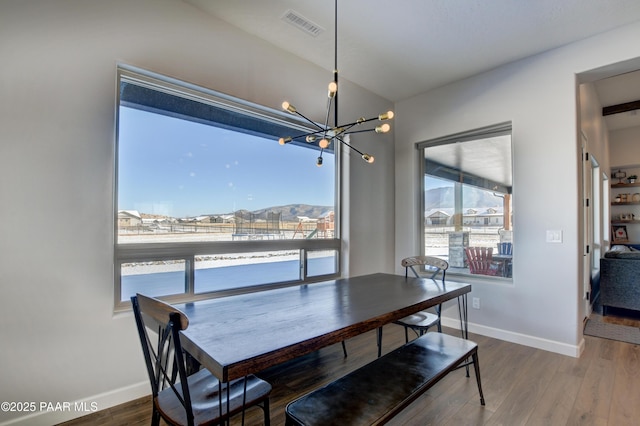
(467, 201)
(208, 202)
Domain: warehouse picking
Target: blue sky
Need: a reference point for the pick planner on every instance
(180, 168)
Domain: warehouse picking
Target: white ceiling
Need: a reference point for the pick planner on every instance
(402, 48)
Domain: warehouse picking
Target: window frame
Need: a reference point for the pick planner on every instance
(188, 251)
(500, 129)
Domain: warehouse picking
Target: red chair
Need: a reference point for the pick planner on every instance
(480, 261)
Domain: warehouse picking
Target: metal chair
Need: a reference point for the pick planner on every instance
(421, 321)
(198, 399)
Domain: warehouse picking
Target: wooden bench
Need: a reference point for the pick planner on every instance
(374, 393)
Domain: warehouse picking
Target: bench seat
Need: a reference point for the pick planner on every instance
(376, 392)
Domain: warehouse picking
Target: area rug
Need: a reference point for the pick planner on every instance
(623, 333)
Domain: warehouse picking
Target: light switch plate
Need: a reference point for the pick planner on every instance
(554, 236)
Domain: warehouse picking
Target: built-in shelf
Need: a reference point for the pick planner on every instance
(626, 203)
(626, 185)
(630, 193)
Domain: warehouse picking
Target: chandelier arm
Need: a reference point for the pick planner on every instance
(317, 132)
(355, 123)
(343, 142)
(360, 131)
(316, 125)
(366, 120)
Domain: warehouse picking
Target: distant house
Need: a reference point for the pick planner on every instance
(480, 216)
(209, 219)
(483, 217)
(439, 217)
(128, 218)
(228, 218)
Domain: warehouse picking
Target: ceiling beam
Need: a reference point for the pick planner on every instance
(617, 109)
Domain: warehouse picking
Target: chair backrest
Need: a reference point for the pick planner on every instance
(165, 360)
(479, 259)
(435, 264)
(505, 248)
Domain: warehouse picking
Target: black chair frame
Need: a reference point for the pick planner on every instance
(167, 369)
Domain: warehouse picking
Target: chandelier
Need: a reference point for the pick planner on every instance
(327, 134)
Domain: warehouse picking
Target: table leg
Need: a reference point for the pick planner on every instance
(464, 324)
(192, 364)
(462, 312)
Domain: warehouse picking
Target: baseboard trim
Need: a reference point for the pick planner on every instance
(72, 410)
(519, 338)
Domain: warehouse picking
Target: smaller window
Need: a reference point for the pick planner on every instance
(468, 199)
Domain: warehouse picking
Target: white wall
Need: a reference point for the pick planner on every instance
(60, 339)
(625, 147)
(543, 306)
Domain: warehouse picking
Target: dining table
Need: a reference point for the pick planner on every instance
(235, 336)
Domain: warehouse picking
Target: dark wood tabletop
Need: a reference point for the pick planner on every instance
(239, 335)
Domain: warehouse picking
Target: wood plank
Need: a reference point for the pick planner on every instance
(556, 404)
(593, 402)
(530, 382)
(625, 409)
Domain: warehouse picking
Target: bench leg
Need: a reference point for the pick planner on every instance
(476, 367)
(267, 415)
(379, 341)
(288, 421)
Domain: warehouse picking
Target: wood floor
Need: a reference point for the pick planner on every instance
(522, 386)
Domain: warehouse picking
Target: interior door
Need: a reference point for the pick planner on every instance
(592, 232)
(587, 191)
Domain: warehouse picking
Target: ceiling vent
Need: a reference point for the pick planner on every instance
(294, 18)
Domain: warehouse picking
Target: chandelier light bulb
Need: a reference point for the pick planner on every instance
(283, 141)
(386, 116)
(368, 158)
(383, 128)
(319, 162)
(324, 143)
(333, 89)
(310, 138)
(288, 107)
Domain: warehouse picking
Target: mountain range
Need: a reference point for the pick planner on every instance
(439, 198)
